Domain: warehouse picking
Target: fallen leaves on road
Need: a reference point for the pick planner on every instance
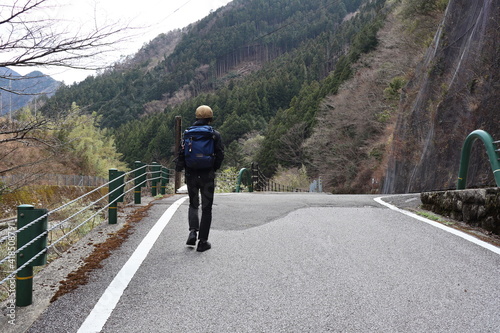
(101, 252)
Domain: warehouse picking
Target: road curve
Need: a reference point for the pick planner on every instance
(291, 263)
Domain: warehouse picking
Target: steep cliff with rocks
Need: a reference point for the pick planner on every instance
(455, 90)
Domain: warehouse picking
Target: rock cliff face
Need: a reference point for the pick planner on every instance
(455, 90)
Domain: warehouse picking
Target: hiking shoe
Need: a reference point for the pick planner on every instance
(192, 238)
(203, 245)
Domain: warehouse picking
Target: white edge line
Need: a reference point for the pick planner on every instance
(456, 232)
(97, 318)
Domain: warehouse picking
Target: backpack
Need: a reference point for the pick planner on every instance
(199, 147)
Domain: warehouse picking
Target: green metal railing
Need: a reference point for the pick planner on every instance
(159, 177)
(27, 242)
(244, 178)
(492, 155)
(255, 180)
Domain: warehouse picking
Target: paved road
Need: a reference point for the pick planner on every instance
(293, 263)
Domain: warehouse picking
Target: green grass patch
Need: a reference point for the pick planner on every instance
(430, 216)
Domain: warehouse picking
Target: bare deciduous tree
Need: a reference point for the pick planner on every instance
(24, 147)
(292, 150)
(29, 37)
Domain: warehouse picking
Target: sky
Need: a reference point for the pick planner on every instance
(151, 16)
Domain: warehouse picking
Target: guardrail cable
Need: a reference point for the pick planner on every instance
(262, 183)
(3, 239)
(126, 185)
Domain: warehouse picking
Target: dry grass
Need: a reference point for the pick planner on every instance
(44, 196)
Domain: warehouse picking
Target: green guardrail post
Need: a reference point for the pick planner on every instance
(116, 186)
(140, 180)
(155, 175)
(464, 160)
(24, 278)
(245, 178)
(238, 181)
(164, 180)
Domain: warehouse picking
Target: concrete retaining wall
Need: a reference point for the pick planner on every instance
(477, 207)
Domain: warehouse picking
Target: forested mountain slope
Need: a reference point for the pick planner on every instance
(255, 31)
(431, 81)
(247, 60)
(350, 143)
(314, 84)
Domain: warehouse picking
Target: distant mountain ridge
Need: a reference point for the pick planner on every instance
(17, 91)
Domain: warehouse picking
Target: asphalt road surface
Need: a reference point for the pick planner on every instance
(287, 263)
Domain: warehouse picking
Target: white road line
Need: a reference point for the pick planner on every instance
(106, 304)
(456, 232)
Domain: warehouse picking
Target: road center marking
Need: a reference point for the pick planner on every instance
(456, 232)
(97, 318)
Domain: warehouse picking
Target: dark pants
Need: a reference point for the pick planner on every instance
(200, 183)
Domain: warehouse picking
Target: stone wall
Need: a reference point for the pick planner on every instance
(477, 207)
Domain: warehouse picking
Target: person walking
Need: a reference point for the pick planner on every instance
(200, 155)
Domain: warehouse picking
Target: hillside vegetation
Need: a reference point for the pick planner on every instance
(248, 61)
(323, 86)
(33, 146)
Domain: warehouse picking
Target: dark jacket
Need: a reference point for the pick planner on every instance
(219, 150)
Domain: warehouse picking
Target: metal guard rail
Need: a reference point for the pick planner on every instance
(466, 150)
(244, 178)
(32, 249)
(255, 180)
